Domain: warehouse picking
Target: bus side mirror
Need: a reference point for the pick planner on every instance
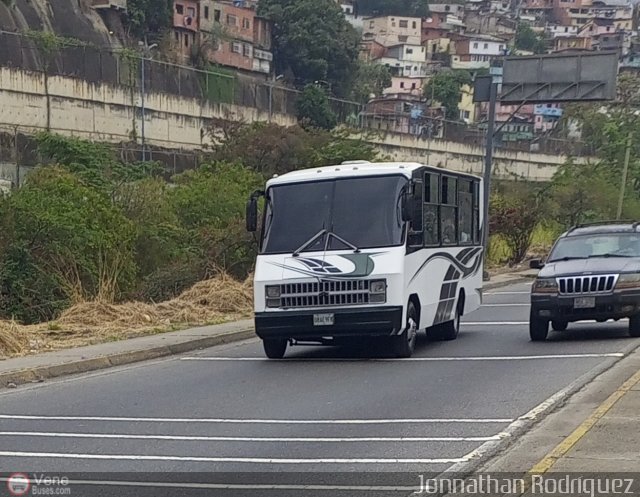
(406, 207)
(252, 215)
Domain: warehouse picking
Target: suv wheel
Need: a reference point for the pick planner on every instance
(538, 329)
(559, 325)
(634, 326)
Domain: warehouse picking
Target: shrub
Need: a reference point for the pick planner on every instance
(71, 236)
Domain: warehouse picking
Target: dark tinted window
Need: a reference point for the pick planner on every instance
(363, 211)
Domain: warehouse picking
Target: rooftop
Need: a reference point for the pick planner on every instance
(351, 169)
(348, 169)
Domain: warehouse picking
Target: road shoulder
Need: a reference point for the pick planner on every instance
(586, 433)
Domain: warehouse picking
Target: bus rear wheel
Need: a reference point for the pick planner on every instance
(448, 330)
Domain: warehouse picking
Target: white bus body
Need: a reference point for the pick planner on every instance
(397, 249)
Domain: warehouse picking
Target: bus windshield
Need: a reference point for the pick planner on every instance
(365, 212)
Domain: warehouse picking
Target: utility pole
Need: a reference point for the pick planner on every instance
(142, 85)
(488, 160)
(625, 172)
(146, 50)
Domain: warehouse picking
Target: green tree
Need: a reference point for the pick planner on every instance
(528, 39)
(418, 8)
(272, 149)
(94, 163)
(581, 193)
(516, 210)
(160, 240)
(210, 204)
(370, 79)
(446, 88)
(149, 18)
(70, 236)
(314, 109)
(313, 42)
(591, 191)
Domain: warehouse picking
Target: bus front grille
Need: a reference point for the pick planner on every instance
(324, 293)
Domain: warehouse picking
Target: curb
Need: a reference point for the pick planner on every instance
(502, 284)
(39, 374)
(525, 423)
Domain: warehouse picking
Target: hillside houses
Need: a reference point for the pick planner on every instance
(474, 35)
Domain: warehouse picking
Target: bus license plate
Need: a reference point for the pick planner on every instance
(323, 319)
(584, 303)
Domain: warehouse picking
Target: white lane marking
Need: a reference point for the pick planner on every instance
(125, 436)
(506, 305)
(30, 417)
(513, 428)
(526, 323)
(408, 359)
(246, 460)
(494, 323)
(233, 486)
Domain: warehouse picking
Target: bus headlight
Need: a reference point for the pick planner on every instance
(545, 285)
(273, 295)
(378, 291)
(273, 291)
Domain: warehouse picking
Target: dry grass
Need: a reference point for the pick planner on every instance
(216, 300)
(13, 340)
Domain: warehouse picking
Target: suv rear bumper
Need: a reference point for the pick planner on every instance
(618, 305)
(371, 321)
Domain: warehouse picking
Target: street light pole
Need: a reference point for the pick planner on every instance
(488, 160)
(146, 50)
(142, 89)
(625, 172)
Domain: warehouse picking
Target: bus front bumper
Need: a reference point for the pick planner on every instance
(305, 325)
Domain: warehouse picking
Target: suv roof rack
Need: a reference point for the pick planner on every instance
(633, 223)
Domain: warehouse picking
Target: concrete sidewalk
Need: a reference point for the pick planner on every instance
(607, 441)
(48, 365)
(591, 432)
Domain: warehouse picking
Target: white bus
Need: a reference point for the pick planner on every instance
(366, 250)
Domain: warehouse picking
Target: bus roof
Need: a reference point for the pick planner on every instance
(350, 169)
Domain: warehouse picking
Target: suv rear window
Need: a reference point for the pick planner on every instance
(597, 245)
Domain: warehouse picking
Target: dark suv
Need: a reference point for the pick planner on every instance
(591, 274)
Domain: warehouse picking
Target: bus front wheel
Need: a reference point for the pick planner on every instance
(274, 348)
(405, 343)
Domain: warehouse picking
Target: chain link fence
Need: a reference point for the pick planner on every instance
(124, 67)
(19, 155)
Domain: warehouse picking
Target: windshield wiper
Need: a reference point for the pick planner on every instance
(610, 255)
(342, 240)
(312, 240)
(568, 258)
(329, 234)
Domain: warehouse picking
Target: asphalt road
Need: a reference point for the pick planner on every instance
(229, 421)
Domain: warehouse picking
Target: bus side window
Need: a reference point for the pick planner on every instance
(448, 211)
(476, 213)
(465, 212)
(416, 235)
(431, 215)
